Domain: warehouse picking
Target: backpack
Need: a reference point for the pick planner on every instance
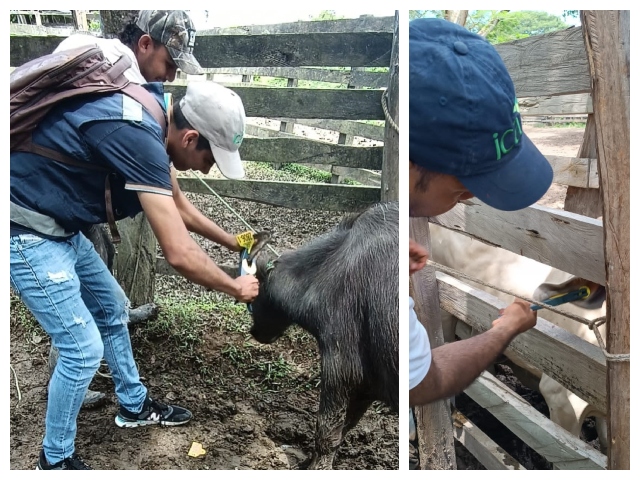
(38, 85)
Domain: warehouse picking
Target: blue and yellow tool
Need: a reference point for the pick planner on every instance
(582, 292)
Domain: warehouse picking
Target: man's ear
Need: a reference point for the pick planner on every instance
(190, 137)
(145, 42)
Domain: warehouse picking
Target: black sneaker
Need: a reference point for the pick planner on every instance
(153, 413)
(70, 463)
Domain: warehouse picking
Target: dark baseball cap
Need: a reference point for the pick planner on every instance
(464, 118)
(175, 30)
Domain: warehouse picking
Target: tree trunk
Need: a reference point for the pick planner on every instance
(457, 16)
(112, 21)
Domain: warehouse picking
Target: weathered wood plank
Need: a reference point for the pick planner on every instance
(586, 201)
(25, 48)
(309, 196)
(575, 172)
(349, 127)
(550, 64)
(300, 150)
(548, 439)
(607, 36)
(361, 175)
(305, 102)
(563, 105)
(358, 78)
(362, 24)
(433, 421)
(485, 450)
(571, 361)
(566, 241)
(347, 49)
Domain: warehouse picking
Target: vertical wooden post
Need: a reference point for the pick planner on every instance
(607, 36)
(286, 127)
(80, 20)
(344, 138)
(433, 421)
(585, 201)
(135, 262)
(390, 157)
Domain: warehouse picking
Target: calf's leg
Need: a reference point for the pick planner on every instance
(331, 421)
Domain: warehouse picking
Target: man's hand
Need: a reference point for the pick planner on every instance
(518, 316)
(418, 256)
(249, 287)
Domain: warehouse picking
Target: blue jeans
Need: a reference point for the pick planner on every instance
(76, 300)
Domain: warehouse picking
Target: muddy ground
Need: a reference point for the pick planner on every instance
(254, 405)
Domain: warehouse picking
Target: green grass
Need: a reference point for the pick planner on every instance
(21, 314)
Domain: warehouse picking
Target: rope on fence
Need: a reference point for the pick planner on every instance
(384, 100)
(592, 324)
(230, 208)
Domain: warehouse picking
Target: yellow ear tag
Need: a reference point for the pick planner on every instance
(245, 240)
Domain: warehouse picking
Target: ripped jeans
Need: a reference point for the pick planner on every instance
(77, 301)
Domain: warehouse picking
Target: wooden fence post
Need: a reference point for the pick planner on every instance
(433, 421)
(285, 127)
(135, 262)
(607, 35)
(390, 157)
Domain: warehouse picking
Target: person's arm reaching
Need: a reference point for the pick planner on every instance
(456, 365)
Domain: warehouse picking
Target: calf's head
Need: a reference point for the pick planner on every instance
(595, 300)
(269, 319)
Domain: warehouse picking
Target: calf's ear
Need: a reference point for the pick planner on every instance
(594, 301)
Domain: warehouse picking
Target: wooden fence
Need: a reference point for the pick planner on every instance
(552, 77)
(339, 52)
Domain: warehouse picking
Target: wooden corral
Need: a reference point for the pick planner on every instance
(338, 51)
(563, 73)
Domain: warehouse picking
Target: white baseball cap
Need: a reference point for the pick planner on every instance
(217, 113)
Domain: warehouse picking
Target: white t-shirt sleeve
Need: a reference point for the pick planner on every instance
(419, 349)
(112, 49)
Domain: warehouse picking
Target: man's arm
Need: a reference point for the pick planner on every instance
(185, 255)
(455, 365)
(196, 222)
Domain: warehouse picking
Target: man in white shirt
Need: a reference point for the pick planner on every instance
(157, 41)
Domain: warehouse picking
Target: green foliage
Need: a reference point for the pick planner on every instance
(570, 14)
(326, 15)
(413, 14)
(499, 26)
(516, 25)
(307, 173)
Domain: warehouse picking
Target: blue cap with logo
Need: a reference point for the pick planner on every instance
(464, 118)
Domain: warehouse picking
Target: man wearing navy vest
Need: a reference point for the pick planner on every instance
(57, 272)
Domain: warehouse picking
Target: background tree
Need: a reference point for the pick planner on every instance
(499, 26)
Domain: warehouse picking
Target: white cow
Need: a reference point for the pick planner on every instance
(522, 276)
